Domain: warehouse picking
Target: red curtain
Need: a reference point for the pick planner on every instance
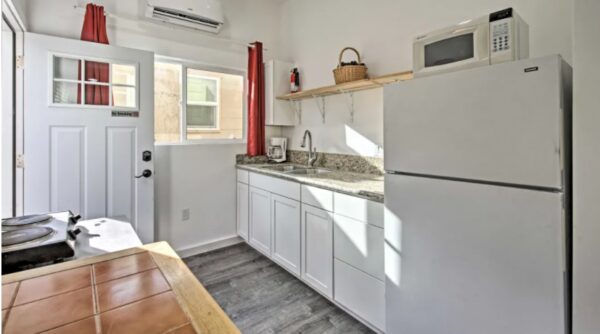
(256, 101)
(94, 30)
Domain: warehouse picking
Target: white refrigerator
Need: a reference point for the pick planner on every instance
(477, 197)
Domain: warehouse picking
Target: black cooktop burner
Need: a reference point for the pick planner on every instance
(23, 235)
(25, 220)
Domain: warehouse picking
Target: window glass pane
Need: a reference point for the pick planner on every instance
(65, 92)
(123, 74)
(201, 89)
(229, 113)
(66, 68)
(167, 102)
(96, 95)
(123, 96)
(96, 71)
(201, 116)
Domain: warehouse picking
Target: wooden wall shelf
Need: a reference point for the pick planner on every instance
(348, 87)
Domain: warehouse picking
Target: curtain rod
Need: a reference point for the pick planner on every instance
(108, 14)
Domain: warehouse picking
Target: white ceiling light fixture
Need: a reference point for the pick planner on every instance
(206, 15)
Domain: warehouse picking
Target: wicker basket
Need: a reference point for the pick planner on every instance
(346, 73)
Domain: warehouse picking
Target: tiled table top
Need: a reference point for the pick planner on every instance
(127, 294)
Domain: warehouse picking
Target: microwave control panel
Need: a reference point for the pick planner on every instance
(500, 32)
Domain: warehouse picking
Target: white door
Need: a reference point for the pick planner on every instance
(83, 158)
(501, 123)
(317, 249)
(472, 258)
(285, 214)
(7, 120)
(260, 220)
(242, 210)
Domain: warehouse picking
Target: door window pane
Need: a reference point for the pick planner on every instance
(123, 74)
(65, 92)
(96, 95)
(124, 96)
(66, 68)
(96, 71)
(201, 116)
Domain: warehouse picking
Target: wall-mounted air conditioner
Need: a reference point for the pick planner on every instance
(204, 15)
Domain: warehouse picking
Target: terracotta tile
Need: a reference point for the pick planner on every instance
(123, 266)
(157, 314)
(85, 326)
(131, 288)
(187, 329)
(8, 292)
(51, 312)
(53, 284)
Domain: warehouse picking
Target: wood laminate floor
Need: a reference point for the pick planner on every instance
(261, 297)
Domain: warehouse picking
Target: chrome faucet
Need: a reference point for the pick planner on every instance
(312, 151)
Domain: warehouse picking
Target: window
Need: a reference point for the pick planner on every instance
(84, 82)
(195, 103)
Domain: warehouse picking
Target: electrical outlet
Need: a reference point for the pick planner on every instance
(185, 214)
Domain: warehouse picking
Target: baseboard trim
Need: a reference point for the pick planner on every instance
(208, 246)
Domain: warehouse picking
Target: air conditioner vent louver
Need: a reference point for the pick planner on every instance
(171, 14)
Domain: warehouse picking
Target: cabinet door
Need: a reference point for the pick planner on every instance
(359, 244)
(285, 215)
(242, 210)
(260, 220)
(317, 249)
(360, 293)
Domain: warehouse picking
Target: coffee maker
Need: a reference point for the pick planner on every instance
(277, 149)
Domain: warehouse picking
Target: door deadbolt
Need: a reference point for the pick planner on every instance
(146, 156)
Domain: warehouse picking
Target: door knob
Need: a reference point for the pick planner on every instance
(145, 173)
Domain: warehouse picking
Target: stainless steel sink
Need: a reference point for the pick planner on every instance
(308, 171)
(285, 168)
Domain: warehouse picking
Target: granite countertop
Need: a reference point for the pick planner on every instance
(369, 186)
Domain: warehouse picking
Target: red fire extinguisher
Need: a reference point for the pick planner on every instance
(294, 80)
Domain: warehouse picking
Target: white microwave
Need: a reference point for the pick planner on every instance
(496, 38)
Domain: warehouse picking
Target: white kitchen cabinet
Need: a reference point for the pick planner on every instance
(260, 220)
(359, 208)
(277, 82)
(242, 210)
(360, 293)
(285, 217)
(317, 249)
(359, 244)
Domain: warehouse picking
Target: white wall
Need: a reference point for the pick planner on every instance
(586, 73)
(198, 177)
(315, 31)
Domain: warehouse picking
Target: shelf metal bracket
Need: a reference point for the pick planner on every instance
(349, 99)
(321, 106)
(296, 106)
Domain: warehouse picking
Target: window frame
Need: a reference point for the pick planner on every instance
(217, 104)
(82, 82)
(185, 64)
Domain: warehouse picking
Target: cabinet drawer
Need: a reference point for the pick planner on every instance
(359, 244)
(242, 176)
(358, 208)
(277, 186)
(317, 197)
(360, 293)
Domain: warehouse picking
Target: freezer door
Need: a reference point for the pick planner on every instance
(500, 123)
(467, 258)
